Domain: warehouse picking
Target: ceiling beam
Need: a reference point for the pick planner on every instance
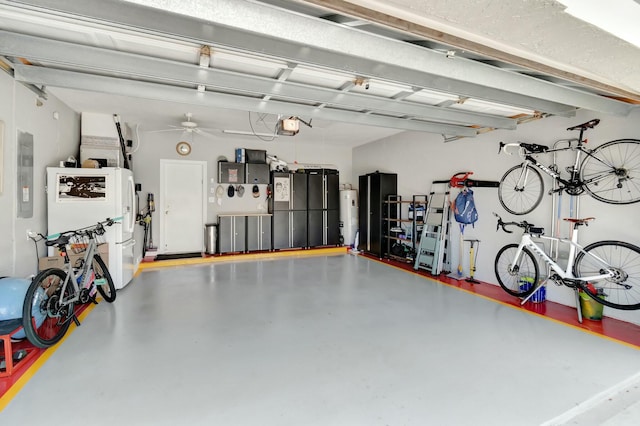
(274, 32)
(161, 92)
(369, 14)
(122, 63)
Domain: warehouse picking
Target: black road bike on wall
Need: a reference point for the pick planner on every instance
(609, 173)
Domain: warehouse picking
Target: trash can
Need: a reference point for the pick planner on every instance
(590, 308)
(210, 238)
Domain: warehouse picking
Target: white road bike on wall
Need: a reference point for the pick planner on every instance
(608, 271)
(609, 173)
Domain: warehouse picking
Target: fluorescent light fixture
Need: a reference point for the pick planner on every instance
(617, 17)
(245, 133)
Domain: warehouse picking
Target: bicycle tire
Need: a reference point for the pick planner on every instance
(514, 280)
(108, 289)
(612, 172)
(622, 291)
(520, 200)
(49, 326)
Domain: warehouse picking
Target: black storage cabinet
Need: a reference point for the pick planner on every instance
(373, 191)
(323, 197)
(288, 205)
(231, 233)
(258, 232)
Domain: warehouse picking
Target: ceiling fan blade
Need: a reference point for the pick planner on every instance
(164, 130)
(207, 134)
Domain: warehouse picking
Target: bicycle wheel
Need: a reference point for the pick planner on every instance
(103, 280)
(622, 291)
(520, 189)
(612, 172)
(520, 279)
(44, 320)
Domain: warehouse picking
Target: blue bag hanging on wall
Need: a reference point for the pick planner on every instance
(465, 208)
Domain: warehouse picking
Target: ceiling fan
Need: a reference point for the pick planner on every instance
(188, 126)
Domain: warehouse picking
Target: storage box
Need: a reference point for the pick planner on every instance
(539, 296)
(58, 261)
(240, 155)
(256, 156)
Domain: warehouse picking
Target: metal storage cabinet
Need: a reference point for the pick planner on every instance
(324, 204)
(289, 208)
(258, 232)
(373, 191)
(231, 233)
(256, 173)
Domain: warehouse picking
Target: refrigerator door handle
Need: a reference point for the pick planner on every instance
(132, 205)
(128, 243)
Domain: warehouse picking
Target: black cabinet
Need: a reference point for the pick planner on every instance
(231, 234)
(323, 196)
(256, 173)
(258, 232)
(374, 188)
(288, 204)
(289, 229)
(230, 172)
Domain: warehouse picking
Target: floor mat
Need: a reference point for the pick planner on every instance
(178, 256)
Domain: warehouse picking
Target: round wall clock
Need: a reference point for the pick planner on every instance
(183, 148)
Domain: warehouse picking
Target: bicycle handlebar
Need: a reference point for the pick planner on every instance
(97, 228)
(502, 224)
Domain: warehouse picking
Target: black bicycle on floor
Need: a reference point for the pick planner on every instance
(609, 173)
(49, 305)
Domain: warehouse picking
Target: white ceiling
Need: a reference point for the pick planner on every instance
(361, 71)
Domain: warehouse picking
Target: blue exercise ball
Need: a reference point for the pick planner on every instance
(12, 293)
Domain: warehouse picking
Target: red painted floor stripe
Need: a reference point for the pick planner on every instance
(607, 327)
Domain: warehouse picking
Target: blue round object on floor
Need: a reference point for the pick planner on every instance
(12, 293)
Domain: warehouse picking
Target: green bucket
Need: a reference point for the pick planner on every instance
(590, 308)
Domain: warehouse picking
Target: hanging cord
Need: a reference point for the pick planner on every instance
(35, 244)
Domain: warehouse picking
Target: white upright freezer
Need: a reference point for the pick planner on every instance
(82, 197)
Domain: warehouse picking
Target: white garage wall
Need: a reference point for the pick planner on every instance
(54, 140)
(419, 159)
(156, 146)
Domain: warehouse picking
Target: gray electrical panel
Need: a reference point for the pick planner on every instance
(25, 174)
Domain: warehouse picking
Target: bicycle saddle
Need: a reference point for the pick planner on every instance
(584, 126)
(579, 221)
(534, 147)
(61, 240)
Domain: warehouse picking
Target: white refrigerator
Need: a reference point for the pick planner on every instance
(82, 197)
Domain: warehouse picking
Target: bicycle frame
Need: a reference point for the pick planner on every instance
(72, 277)
(527, 241)
(574, 180)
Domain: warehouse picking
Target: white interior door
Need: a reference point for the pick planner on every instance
(182, 205)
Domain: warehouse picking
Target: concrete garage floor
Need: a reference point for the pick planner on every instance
(334, 340)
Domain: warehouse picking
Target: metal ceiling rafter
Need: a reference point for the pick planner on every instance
(268, 31)
(123, 63)
(155, 91)
(283, 75)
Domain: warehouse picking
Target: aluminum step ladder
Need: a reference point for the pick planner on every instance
(432, 254)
